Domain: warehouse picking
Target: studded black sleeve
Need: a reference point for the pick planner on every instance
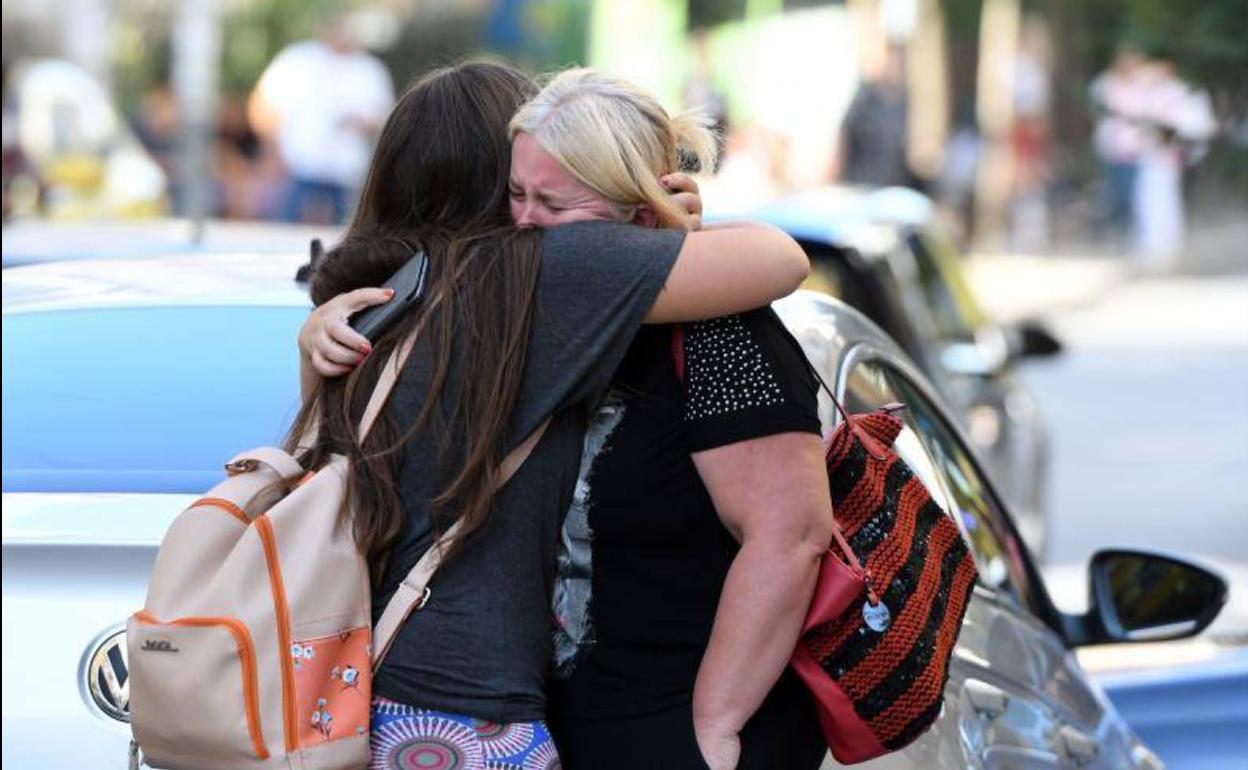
(744, 378)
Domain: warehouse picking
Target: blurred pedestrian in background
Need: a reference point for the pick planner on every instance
(873, 136)
(701, 93)
(22, 189)
(1031, 138)
(1118, 97)
(250, 179)
(322, 103)
(1177, 120)
(159, 126)
(955, 184)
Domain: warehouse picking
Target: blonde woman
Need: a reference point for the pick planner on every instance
(701, 507)
(690, 552)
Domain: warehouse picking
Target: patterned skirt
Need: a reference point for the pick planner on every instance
(406, 738)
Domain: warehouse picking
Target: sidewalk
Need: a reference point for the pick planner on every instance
(1010, 287)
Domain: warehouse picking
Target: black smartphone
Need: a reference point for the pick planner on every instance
(409, 286)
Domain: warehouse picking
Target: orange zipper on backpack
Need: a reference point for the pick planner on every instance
(264, 528)
(247, 658)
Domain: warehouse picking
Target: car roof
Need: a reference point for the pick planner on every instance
(185, 280)
(828, 328)
(28, 242)
(866, 219)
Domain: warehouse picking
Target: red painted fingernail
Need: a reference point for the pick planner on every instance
(366, 348)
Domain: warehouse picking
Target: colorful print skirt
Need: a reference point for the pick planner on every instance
(407, 738)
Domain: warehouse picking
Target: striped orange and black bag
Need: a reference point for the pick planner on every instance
(893, 588)
(877, 642)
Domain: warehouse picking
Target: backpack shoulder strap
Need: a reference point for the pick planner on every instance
(385, 381)
(389, 375)
(285, 465)
(414, 591)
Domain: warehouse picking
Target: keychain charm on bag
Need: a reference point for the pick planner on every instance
(876, 616)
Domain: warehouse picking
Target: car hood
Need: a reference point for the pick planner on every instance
(75, 566)
(89, 519)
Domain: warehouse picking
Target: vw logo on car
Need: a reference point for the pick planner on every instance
(106, 675)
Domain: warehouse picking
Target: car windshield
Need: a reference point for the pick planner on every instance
(948, 296)
(143, 399)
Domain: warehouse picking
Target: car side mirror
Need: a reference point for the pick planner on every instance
(983, 356)
(1033, 339)
(1138, 597)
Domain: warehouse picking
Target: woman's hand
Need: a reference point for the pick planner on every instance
(720, 749)
(684, 191)
(328, 343)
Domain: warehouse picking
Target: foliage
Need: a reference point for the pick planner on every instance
(253, 35)
(1204, 38)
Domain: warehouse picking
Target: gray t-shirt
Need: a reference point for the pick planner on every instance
(481, 645)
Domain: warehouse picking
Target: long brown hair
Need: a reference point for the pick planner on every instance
(437, 182)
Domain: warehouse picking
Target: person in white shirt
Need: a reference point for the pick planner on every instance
(1177, 120)
(1118, 99)
(321, 104)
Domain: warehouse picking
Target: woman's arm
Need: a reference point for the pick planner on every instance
(328, 346)
(729, 268)
(772, 495)
(720, 269)
(725, 268)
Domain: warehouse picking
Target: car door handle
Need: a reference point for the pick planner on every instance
(988, 700)
(1079, 745)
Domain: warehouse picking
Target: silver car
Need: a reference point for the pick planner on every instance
(126, 385)
(35, 241)
(883, 252)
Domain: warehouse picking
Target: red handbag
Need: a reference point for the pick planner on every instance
(893, 588)
(878, 639)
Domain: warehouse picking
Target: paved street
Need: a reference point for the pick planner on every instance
(1149, 411)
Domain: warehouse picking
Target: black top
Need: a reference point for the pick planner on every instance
(645, 554)
(481, 646)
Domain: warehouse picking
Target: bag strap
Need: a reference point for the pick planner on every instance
(414, 591)
(389, 371)
(801, 352)
(386, 380)
(287, 468)
(381, 391)
(678, 351)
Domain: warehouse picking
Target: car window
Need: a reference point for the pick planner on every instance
(147, 399)
(867, 390)
(945, 466)
(867, 285)
(948, 296)
(831, 274)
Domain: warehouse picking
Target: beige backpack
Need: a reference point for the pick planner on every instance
(254, 648)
